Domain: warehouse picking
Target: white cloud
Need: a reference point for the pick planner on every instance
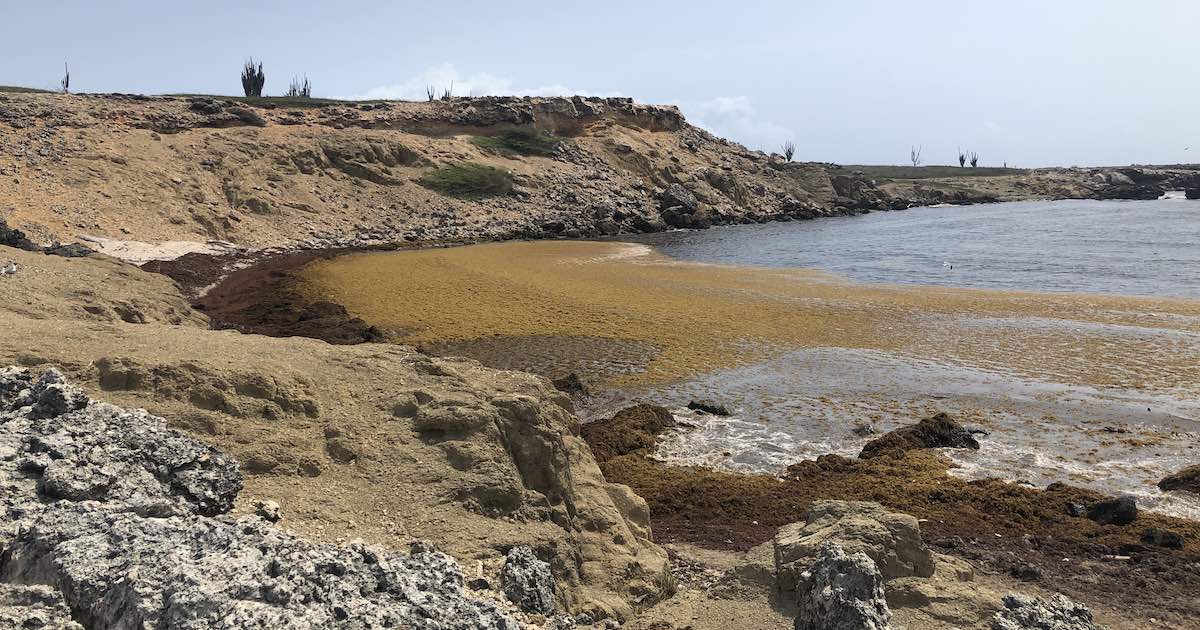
(734, 117)
(442, 76)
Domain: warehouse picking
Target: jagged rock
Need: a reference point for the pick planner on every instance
(1187, 479)
(571, 384)
(892, 540)
(1191, 193)
(1118, 511)
(940, 431)
(527, 581)
(709, 407)
(1034, 613)
(842, 592)
(34, 606)
(128, 517)
(77, 451)
(12, 237)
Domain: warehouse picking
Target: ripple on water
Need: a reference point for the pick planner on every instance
(807, 403)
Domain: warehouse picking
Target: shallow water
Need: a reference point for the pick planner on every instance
(1045, 425)
(1122, 247)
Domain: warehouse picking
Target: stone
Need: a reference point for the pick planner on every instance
(34, 606)
(527, 582)
(1119, 511)
(708, 407)
(1191, 193)
(267, 510)
(1162, 538)
(140, 535)
(1187, 480)
(842, 591)
(892, 540)
(940, 431)
(1034, 613)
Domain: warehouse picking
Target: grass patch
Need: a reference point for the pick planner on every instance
(520, 142)
(468, 181)
(23, 90)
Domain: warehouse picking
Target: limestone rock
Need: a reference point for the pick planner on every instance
(1034, 613)
(527, 582)
(129, 517)
(891, 540)
(842, 592)
(34, 606)
(938, 431)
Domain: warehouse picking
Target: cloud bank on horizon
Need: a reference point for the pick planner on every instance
(731, 117)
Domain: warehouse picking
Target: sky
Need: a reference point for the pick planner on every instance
(1022, 82)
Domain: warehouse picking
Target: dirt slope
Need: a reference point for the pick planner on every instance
(179, 169)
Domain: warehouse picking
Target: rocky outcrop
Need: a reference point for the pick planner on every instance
(940, 431)
(34, 606)
(1187, 480)
(841, 591)
(1034, 613)
(892, 540)
(129, 519)
(526, 581)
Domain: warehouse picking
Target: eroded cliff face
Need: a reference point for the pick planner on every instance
(346, 174)
(376, 442)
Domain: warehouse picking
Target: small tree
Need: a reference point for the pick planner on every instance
(974, 159)
(300, 89)
(789, 150)
(66, 80)
(914, 154)
(962, 158)
(253, 78)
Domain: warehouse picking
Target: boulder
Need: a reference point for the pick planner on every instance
(1187, 480)
(841, 591)
(1191, 193)
(1162, 538)
(940, 431)
(527, 582)
(891, 540)
(1118, 511)
(708, 407)
(1034, 613)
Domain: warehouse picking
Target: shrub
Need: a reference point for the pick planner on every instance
(519, 141)
(253, 79)
(789, 150)
(468, 181)
(299, 89)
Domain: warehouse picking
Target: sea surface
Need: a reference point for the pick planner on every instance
(1122, 247)
(1041, 429)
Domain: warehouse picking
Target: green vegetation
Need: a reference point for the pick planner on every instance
(253, 78)
(520, 142)
(23, 90)
(468, 181)
(923, 172)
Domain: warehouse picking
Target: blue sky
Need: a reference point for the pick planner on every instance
(1025, 82)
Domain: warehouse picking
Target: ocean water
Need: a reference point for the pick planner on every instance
(1122, 247)
(1041, 429)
